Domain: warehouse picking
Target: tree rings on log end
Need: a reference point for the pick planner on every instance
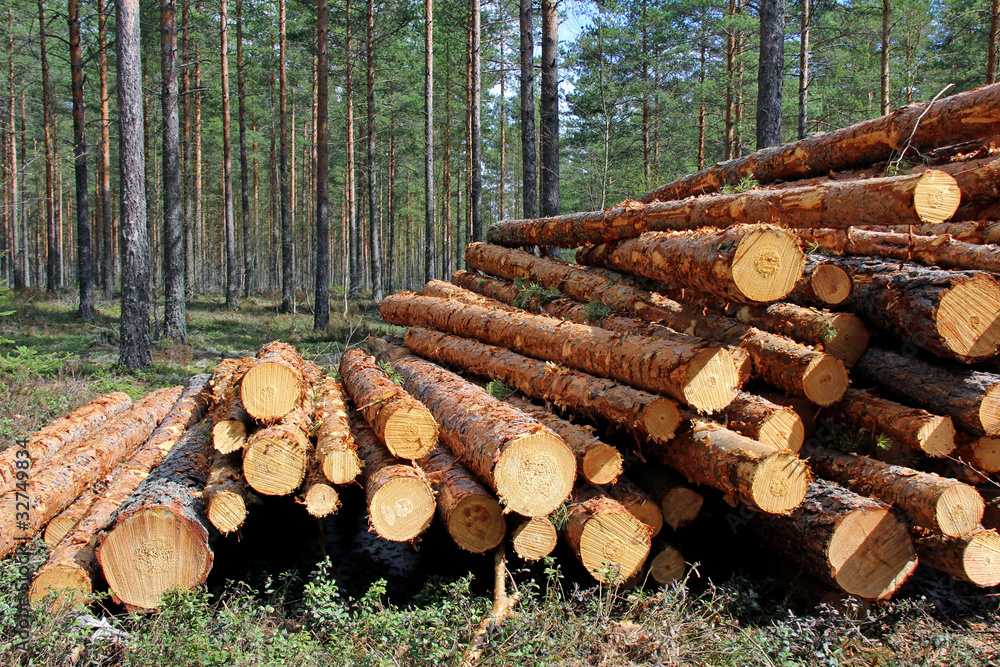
(981, 559)
(321, 500)
(613, 546)
(968, 318)
(477, 523)
(712, 380)
(151, 552)
(982, 453)
(66, 586)
(661, 418)
(341, 466)
(602, 464)
(959, 510)
(275, 466)
(783, 429)
(59, 528)
(229, 435)
(535, 473)
(871, 553)
(831, 284)
(937, 436)
(936, 197)
(402, 507)
(825, 380)
(534, 539)
(270, 391)
(681, 506)
(410, 432)
(850, 337)
(779, 483)
(767, 264)
(989, 410)
(227, 510)
(667, 566)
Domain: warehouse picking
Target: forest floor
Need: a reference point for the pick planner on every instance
(288, 609)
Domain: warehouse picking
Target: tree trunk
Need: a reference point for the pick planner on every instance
(610, 542)
(276, 457)
(226, 493)
(994, 40)
(232, 266)
(884, 78)
(534, 539)
(770, 75)
(679, 503)
(430, 261)
(764, 421)
(287, 268)
(244, 163)
(974, 558)
(197, 226)
(20, 243)
(529, 174)
(549, 110)
(48, 125)
(374, 210)
(822, 283)
(321, 308)
(63, 524)
(84, 264)
(174, 315)
(476, 125)
(806, 27)
(336, 451)
(530, 467)
(278, 382)
(638, 504)
(353, 232)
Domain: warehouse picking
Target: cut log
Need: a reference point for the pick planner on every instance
(63, 524)
(596, 461)
(766, 422)
(843, 538)
(953, 314)
(530, 467)
(679, 503)
(938, 503)
(770, 479)
(980, 452)
(642, 507)
(278, 382)
(469, 511)
(160, 539)
(54, 488)
(667, 564)
(534, 539)
(698, 374)
(72, 567)
(745, 263)
(822, 283)
(400, 500)
(400, 421)
(230, 420)
(950, 120)
(318, 496)
(646, 415)
(806, 410)
(981, 232)
(276, 457)
(226, 493)
(336, 450)
(974, 557)
(63, 432)
(457, 291)
(971, 398)
(610, 542)
(915, 429)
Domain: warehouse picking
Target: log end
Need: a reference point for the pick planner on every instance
(831, 284)
(57, 529)
(989, 410)
(871, 554)
(227, 510)
(712, 380)
(783, 429)
(602, 464)
(477, 523)
(534, 539)
(959, 510)
(341, 466)
(270, 391)
(63, 585)
(667, 566)
(402, 508)
(661, 418)
(779, 483)
(274, 466)
(936, 196)
(968, 318)
(229, 435)
(982, 453)
(981, 559)
(767, 264)
(681, 506)
(645, 510)
(613, 546)
(825, 380)
(321, 500)
(937, 436)
(410, 432)
(535, 473)
(849, 338)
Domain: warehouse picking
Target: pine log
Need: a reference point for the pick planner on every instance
(980, 452)
(950, 120)
(667, 564)
(457, 291)
(698, 374)
(63, 524)
(744, 263)
(54, 488)
(276, 457)
(317, 495)
(770, 479)
(62, 433)
(400, 421)
(766, 422)
(980, 232)
(679, 503)
(916, 429)
(953, 314)
(822, 283)
(646, 415)
(806, 410)
(72, 567)
(469, 511)
(636, 501)
(530, 467)
(278, 382)
(160, 539)
(971, 398)
(535, 538)
(840, 537)
(400, 500)
(974, 557)
(938, 503)
(596, 461)
(610, 542)
(230, 420)
(226, 493)
(336, 450)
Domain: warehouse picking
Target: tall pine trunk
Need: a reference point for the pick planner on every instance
(84, 268)
(994, 39)
(884, 79)
(476, 152)
(549, 109)
(198, 231)
(804, 71)
(20, 241)
(232, 267)
(107, 223)
(321, 311)
(174, 316)
(353, 235)
(52, 256)
(374, 222)
(529, 176)
(244, 165)
(430, 264)
(287, 276)
(771, 66)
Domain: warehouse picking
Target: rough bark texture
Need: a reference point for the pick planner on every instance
(400, 421)
(230, 421)
(229, 217)
(823, 283)
(548, 110)
(938, 503)
(287, 268)
(226, 493)
(279, 381)
(638, 503)
(61, 525)
(321, 315)
(770, 72)
(530, 467)
(845, 539)
(84, 262)
(529, 181)
(276, 457)
(430, 260)
(974, 557)
(697, 374)
(982, 232)
(534, 539)
(916, 429)
(174, 313)
(336, 450)
(679, 503)
(766, 422)
(646, 415)
(610, 542)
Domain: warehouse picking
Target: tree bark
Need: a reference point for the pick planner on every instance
(529, 175)
(476, 125)
(822, 283)
(336, 451)
(244, 162)
(549, 110)
(974, 558)
(610, 542)
(230, 421)
(174, 312)
(374, 210)
(768, 423)
(994, 41)
(638, 504)
(53, 257)
(884, 78)
(287, 268)
(321, 309)
(430, 261)
(916, 429)
(232, 266)
(353, 232)
(84, 264)
(20, 237)
(804, 31)
(771, 72)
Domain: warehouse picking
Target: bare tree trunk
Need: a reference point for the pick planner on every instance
(476, 152)
(430, 263)
(321, 311)
(244, 163)
(135, 323)
(994, 39)
(353, 236)
(287, 277)
(701, 94)
(645, 98)
(446, 168)
(80, 167)
(174, 317)
(529, 179)
(20, 249)
(772, 59)
(391, 245)
(503, 125)
(232, 267)
(48, 122)
(26, 267)
(198, 223)
(186, 174)
(730, 137)
(884, 98)
(549, 109)
(804, 71)
(374, 221)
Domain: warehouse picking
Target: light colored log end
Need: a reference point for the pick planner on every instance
(57, 529)
(825, 380)
(968, 318)
(780, 483)
(937, 436)
(64, 586)
(535, 473)
(645, 510)
(871, 553)
(849, 337)
(402, 508)
(410, 432)
(767, 264)
(831, 284)
(321, 500)
(270, 391)
(341, 466)
(681, 506)
(712, 380)
(661, 418)
(981, 559)
(274, 466)
(667, 566)
(989, 410)
(959, 510)
(227, 510)
(936, 197)
(602, 464)
(534, 539)
(783, 429)
(477, 523)
(613, 546)
(229, 435)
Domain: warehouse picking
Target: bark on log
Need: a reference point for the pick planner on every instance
(469, 511)
(679, 503)
(279, 381)
(646, 415)
(400, 421)
(971, 398)
(766, 422)
(953, 314)
(456, 291)
(914, 428)
(940, 504)
(991, 516)
(822, 283)
(974, 557)
(318, 496)
(851, 541)
(62, 433)
(980, 232)
(745, 263)
(531, 468)
(636, 501)
(610, 542)
(226, 493)
(53, 488)
(67, 520)
(667, 564)
(230, 420)
(770, 479)
(400, 500)
(596, 461)
(951, 120)
(336, 450)
(160, 539)
(699, 375)
(276, 457)
(980, 452)
(535, 538)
